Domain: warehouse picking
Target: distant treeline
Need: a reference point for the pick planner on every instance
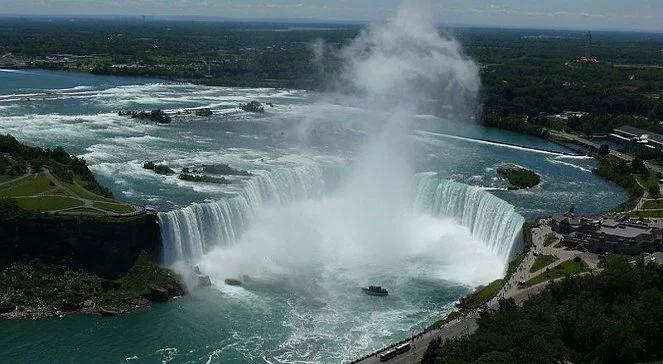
(526, 74)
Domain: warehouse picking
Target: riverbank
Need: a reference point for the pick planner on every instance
(37, 288)
(67, 245)
(464, 322)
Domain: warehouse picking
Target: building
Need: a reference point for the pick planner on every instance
(567, 115)
(641, 143)
(608, 235)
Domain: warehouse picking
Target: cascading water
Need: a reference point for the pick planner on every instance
(190, 232)
(491, 220)
(307, 249)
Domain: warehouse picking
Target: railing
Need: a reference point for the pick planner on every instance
(411, 338)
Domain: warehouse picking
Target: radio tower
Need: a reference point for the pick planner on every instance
(588, 50)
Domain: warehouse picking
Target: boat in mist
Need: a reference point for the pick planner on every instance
(375, 291)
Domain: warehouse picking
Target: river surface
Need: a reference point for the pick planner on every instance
(303, 304)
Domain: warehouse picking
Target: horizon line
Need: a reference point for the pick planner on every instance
(304, 20)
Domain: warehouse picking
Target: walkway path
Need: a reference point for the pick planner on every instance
(87, 203)
(16, 179)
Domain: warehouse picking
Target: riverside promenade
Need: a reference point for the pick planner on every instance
(467, 324)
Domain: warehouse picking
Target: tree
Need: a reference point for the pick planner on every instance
(637, 164)
(604, 149)
(654, 191)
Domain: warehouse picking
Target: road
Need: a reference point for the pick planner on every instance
(591, 144)
(467, 324)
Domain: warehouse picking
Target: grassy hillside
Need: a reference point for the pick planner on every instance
(52, 181)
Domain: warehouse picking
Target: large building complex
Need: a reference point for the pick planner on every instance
(609, 235)
(641, 143)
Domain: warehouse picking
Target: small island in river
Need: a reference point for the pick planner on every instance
(519, 177)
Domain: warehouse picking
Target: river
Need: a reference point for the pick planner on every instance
(304, 303)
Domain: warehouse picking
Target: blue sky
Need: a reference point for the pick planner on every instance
(576, 14)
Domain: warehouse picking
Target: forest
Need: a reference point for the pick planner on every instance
(528, 76)
(612, 317)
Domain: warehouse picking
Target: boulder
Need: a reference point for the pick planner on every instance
(204, 281)
(233, 282)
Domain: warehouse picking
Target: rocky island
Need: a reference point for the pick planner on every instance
(158, 168)
(519, 178)
(156, 116)
(252, 106)
(203, 178)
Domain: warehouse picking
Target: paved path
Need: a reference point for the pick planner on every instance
(87, 203)
(15, 179)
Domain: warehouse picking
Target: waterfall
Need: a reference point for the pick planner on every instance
(489, 218)
(190, 232)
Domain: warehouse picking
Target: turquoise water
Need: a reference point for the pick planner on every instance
(312, 313)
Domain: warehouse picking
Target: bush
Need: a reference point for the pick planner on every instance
(6, 306)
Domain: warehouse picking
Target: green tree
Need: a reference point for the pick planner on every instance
(654, 191)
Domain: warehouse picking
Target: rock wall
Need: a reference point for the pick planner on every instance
(107, 249)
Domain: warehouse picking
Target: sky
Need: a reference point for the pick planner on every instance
(567, 14)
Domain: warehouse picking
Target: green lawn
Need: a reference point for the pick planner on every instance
(47, 203)
(450, 317)
(31, 185)
(651, 181)
(85, 211)
(482, 296)
(77, 188)
(542, 261)
(646, 214)
(114, 207)
(652, 205)
(629, 258)
(7, 178)
(569, 267)
(551, 239)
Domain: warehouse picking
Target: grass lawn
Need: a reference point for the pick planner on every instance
(482, 296)
(7, 178)
(629, 258)
(47, 203)
(569, 267)
(646, 214)
(114, 207)
(450, 317)
(542, 261)
(85, 211)
(651, 181)
(77, 188)
(551, 239)
(652, 205)
(31, 185)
